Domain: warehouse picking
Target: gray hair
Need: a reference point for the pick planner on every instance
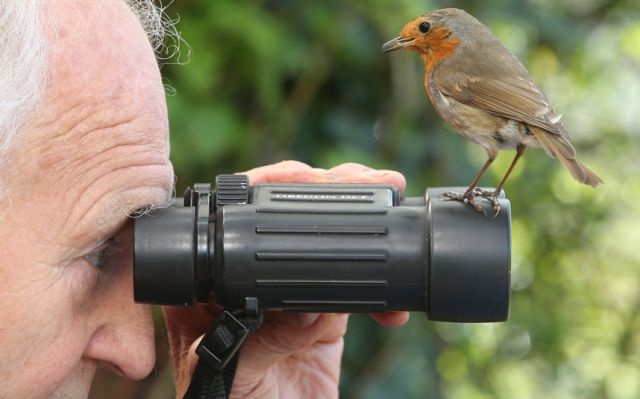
(22, 64)
(23, 60)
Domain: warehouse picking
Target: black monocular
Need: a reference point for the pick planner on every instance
(326, 248)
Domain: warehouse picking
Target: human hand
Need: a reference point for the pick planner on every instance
(293, 354)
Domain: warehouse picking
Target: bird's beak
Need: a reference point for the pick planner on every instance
(397, 43)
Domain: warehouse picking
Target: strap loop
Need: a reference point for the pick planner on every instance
(223, 341)
(218, 353)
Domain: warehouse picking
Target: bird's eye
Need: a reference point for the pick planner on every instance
(424, 27)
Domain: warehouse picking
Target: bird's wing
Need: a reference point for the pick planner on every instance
(514, 98)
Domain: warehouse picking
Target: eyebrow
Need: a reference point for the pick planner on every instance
(148, 208)
(138, 205)
(133, 203)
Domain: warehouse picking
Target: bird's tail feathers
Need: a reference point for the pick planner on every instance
(558, 147)
(580, 172)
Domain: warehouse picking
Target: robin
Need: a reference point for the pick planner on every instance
(486, 94)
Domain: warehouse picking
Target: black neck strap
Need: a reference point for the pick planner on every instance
(218, 353)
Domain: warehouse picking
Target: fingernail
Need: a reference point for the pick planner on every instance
(307, 319)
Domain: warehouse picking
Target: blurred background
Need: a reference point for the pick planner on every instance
(274, 80)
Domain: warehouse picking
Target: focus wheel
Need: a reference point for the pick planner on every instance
(232, 190)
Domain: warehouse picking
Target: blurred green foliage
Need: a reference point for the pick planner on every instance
(274, 80)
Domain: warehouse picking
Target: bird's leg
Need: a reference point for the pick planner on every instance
(519, 152)
(470, 193)
(493, 195)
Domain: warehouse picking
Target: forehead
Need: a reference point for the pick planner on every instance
(98, 144)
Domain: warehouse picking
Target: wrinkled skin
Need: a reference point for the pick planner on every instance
(95, 150)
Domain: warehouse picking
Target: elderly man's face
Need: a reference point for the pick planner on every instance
(95, 150)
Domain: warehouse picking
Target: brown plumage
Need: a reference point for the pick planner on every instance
(486, 94)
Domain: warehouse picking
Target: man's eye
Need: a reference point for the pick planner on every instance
(97, 257)
(114, 246)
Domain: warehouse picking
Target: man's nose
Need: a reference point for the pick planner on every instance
(125, 345)
(123, 339)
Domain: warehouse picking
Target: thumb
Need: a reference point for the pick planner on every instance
(185, 373)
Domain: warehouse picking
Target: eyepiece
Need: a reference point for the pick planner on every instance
(164, 256)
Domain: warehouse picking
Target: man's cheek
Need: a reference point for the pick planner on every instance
(80, 280)
(69, 381)
(45, 337)
(77, 384)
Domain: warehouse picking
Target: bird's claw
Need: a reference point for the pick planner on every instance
(491, 196)
(470, 197)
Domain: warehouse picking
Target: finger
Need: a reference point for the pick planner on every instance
(350, 168)
(298, 172)
(391, 319)
(185, 324)
(192, 356)
(286, 345)
(285, 171)
(185, 374)
(186, 367)
(394, 178)
(284, 334)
